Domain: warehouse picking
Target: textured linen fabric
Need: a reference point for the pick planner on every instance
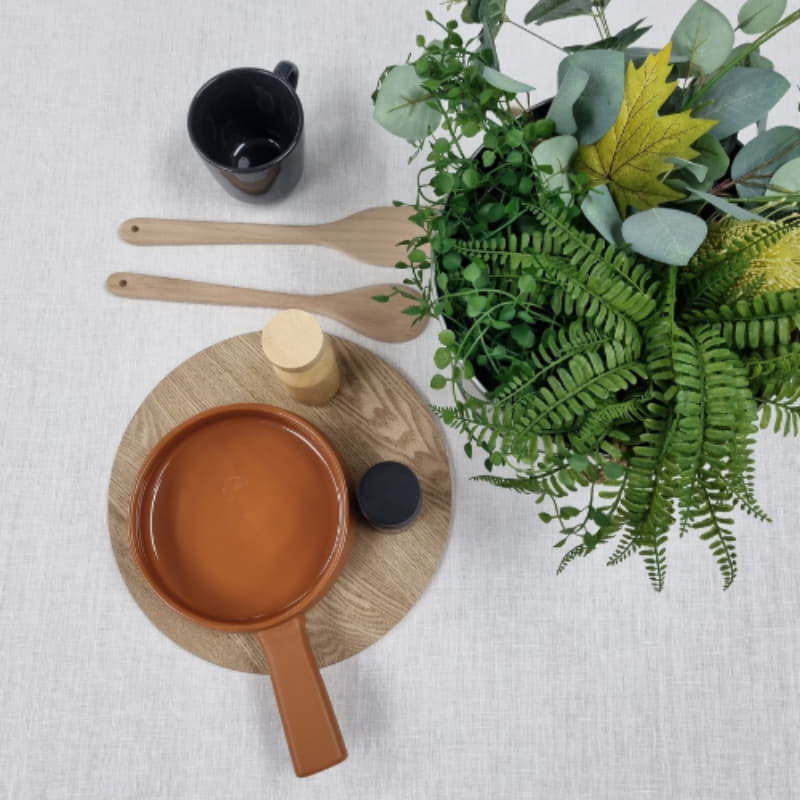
(505, 680)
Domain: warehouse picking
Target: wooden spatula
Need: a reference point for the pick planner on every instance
(371, 235)
(355, 308)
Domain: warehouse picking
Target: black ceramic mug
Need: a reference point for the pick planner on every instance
(247, 125)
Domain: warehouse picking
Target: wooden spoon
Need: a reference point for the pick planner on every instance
(354, 308)
(371, 235)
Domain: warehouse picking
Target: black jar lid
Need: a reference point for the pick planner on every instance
(389, 496)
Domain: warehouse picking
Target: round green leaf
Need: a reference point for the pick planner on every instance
(613, 471)
(441, 358)
(741, 97)
(470, 178)
(786, 179)
(473, 273)
(597, 106)
(757, 16)
(665, 234)
(438, 382)
(570, 87)
(476, 304)
(401, 105)
(704, 36)
(447, 337)
(578, 462)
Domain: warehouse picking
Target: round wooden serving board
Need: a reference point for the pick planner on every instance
(376, 416)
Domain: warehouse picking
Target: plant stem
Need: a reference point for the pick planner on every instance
(535, 35)
(602, 23)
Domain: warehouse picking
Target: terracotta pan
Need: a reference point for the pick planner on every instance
(239, 519)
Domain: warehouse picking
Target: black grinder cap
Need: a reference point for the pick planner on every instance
(389, 496)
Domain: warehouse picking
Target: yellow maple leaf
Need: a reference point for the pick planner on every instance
(629, 158)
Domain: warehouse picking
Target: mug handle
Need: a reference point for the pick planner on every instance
(288, 72)
(309, 722)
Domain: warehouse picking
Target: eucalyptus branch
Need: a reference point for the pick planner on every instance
(746, 52)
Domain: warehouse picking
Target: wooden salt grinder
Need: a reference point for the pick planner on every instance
(302, 356)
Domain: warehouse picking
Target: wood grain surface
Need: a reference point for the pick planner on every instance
(376, 416)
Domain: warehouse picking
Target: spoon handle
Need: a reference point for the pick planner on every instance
(355, 308)
(151, 230)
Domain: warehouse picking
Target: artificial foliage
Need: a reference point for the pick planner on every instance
(616, 270)
(632, 155)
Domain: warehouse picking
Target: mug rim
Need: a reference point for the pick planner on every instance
(259, 71)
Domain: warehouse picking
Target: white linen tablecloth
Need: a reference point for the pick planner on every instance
(505, 680)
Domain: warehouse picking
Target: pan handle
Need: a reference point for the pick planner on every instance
(309, 722)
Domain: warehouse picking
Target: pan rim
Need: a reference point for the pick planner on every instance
(306, 432)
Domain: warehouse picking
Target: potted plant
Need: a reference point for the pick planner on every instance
(617, 269)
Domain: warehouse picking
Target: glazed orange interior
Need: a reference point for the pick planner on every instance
(239, 516)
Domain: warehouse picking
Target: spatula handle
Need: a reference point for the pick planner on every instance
(150, 230)
(152, 287)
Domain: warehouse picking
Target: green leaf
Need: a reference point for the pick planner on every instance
(443, 183)
(665, 234)
(704, 36)
(549, 10)
(556, 153)
(503, 82)
(597, 105)
(438, 382)
(731, 209)
(476, 304)
(758, 16)
(570, 88)
(613, 471)
(697, 171)
(470, 178)
(739, 98)
(570, 512)
(712, 156)
(599, 208)
(619, 41)
(757, 161)
(442, 358)
(743, 55)
(630, 157)
(473, 273)
(523, 336)
(786, 179)
(578, 462)
(447, 337)
(401, 105)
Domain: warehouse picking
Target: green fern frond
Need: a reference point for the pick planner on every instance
(715, 528)
(783, 417)
(628, 545)
(583, 386)
(556, 348)
(754, 323)
(609, 262)
(575, 552)
(598, 425)
(653, 551)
